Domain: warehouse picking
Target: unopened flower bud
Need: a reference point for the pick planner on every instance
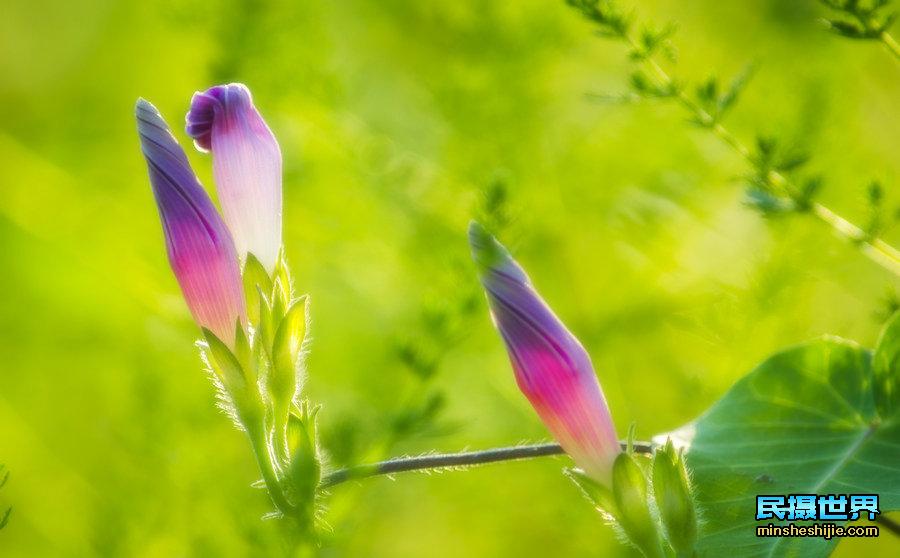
(552, 368)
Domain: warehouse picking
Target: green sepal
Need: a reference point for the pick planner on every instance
(886, 369)
(629, 490)
(600, 496)
(287, 345)
(305, 470)
(254, 278)
(223, 362)
(279, 300)
(262, 340)
(672, 492)
(243, 354)
(282, 274)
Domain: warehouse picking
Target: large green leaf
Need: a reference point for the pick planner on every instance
(803, 422)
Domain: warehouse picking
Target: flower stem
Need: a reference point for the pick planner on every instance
(449, 460)
(267, 470)
(875, 249)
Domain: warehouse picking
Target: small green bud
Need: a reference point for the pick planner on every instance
(672, 491)
(629, 488)
(287, 345)
(305, 470)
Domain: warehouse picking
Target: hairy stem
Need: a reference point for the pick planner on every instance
(449, 460)
(264, 459)
(875, 249)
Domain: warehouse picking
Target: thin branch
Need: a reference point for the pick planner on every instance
(449, 460)
(866, 22)
(875, 249)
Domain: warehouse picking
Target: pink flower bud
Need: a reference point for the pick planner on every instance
(551, 367)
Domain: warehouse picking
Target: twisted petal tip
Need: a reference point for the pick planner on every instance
(246, 165)
(142, 104)
(492, 256)
(213, 103)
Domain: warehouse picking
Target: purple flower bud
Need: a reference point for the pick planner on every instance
(246, 167)
(199, 245)
(552, 368)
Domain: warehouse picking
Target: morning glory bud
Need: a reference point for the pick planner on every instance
(551, 367)
(201, 251)
(246, 167)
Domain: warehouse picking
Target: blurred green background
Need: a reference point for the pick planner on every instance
(399, 121)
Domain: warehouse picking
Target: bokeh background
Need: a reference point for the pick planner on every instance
(400, 121)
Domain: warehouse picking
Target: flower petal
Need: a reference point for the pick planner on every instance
(200, 248)
(246, 165)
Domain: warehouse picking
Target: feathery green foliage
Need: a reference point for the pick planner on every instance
(774, 184)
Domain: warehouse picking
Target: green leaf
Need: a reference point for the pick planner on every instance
(803, 422)
(808, 190)
(729, 98)
(886, 370)
(419, 417)
(847, 29)
(707, 92)
(886, 24)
